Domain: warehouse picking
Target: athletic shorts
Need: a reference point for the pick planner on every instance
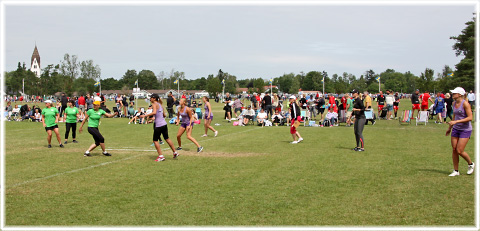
(439, 110)
(390, 107)
(415, 106)
(208, 118)
(425, 106)
(157, 131)
(185, 125)
(395, 107)
(322, 110)
(81, 108)
(380, 107)
(249, 117)
(293, 129)
(461, 133)
(51, 128)
(238, 110)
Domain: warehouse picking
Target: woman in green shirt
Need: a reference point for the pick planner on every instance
(50, 119)
(93, 116)
(72, 114)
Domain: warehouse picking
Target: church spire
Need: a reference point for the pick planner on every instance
(35, 62)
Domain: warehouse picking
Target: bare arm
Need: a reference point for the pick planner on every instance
(154, 111)
(83, 122)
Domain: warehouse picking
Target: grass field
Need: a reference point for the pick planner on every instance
(247, 176)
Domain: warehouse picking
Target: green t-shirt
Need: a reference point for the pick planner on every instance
(71, 114)
(94, 117)
(50, 116)
(350, 102)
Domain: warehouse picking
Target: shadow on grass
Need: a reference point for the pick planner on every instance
(435, 171)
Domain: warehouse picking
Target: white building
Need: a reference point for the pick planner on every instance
(35, 62)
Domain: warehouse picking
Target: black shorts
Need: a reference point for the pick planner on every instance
(157, 131)
(96, 135)
(249, 117)
(51, 128)
(238, 110)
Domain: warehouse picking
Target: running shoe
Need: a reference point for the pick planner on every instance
(455, 173)
(216, 133)
(355, 149)
(360, 150)
(65, 142)
(294, 142)
(204, 135)
(471, 168)
(373, 123)
(49, 146)
(161, 142)
(160, 158)
(86, 154)
(75, 141)
(300, 140)
(199, 149)
(179, 148)
(107, 154)
(175, 155)
(61, 145)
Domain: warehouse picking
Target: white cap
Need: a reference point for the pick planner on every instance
(48, 101)
(458, 90)
(292, 97)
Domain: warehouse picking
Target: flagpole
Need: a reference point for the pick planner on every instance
(136, 97)
(100, 83)
(379, 84)
(178, 88)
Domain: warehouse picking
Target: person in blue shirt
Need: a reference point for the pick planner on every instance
(439, 108)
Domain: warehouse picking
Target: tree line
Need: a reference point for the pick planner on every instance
(71, 75)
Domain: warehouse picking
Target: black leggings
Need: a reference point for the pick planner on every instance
(358, 129)
(74, 130)
(96, 135)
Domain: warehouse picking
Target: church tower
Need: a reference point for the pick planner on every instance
(35, 64)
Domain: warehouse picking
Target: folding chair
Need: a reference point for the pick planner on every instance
(406, 117)
(342, 116)
(369, 114)
(199, 112)
(15, 114)
(304, 116)
(422, 117)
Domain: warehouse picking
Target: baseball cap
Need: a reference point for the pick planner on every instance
(354, 91)
(48, 101)
(458, 90)
(98, 93)
(154, 95)
(292, 97)
(96, 103)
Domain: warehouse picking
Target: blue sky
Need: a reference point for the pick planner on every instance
(248, 41)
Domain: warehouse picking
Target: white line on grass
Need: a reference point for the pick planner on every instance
(110, 162)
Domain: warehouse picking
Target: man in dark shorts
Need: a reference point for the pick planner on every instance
(170, 103)
(228, 107)
(64, 101)
(380, 102)
(267, 101)
(415, 102)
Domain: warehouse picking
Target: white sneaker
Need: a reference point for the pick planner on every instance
(300, 140)
(128, 122)
(204, 135)
(216, 133)
(471, 168)
(294, 142)
(455, 173)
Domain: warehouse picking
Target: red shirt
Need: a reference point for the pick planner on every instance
(331, 100)
(425, 97)
(81, 100)
(184, 96)
(258, 98)
(344, 102)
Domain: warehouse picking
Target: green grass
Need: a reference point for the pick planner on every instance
(247, 176)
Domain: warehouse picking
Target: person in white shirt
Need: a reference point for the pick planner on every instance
(248, 114)
(331, 116)
(38, 116)
(276, 118)
(389, 99)
(261, 117)
(471, 99)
